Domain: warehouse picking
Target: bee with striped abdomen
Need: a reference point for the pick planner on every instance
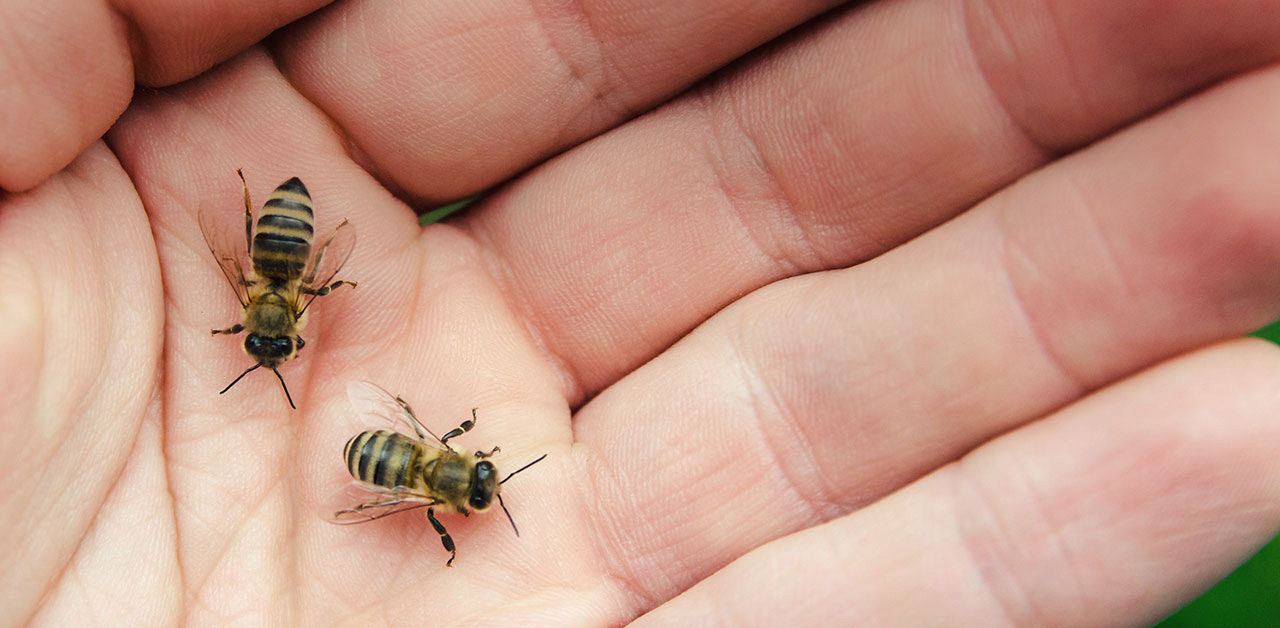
(405, 470)
(284, 277)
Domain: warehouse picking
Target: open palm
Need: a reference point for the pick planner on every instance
(907, 317)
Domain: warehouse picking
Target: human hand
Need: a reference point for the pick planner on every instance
(811, 341)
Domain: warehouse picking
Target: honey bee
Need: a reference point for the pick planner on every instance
(405, 470)
(284, 278)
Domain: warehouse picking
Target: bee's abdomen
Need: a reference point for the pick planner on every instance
(282, 241)
(382, 458)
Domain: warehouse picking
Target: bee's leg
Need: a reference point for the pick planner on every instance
(318, 261)
(299, 343)
(248, 213)
(329, 288)
(481, 454)
(461, 429)
(234, 329)
(444, 536)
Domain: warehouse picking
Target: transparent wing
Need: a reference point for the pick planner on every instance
(359, 503)
(228, 253)
(378, 409)
(324, 265)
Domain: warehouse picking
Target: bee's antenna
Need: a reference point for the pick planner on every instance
(504, 509)
(246, 372)
(504, 480)
(286, 388)
(503, 504)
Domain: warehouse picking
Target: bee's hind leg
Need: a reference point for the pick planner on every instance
(445, 539)
(234, 329)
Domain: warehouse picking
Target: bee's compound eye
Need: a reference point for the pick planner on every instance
(265, 347)
(485, 472)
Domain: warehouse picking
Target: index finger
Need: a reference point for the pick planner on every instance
(444, 99)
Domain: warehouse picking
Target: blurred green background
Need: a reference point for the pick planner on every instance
(1250, 596)
(442, 212)
(1247, 598)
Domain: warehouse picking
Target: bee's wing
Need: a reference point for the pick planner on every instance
(378, 409)
(227, 253)
(358, 503)
(329, 258)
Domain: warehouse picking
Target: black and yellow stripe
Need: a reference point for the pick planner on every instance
(445, 539)
(286, 229)
(384, 458)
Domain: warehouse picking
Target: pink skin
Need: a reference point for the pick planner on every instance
(1009, 401)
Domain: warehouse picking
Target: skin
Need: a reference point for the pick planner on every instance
(921, 314)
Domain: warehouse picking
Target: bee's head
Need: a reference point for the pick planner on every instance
(270, 351)
(484, 486)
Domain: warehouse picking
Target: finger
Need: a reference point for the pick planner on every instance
(80, 328)
(445, 99)
(1112, 512)
(68, 75)
(174, 43)
(823, 393)
(70, 66)
(833, 148)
